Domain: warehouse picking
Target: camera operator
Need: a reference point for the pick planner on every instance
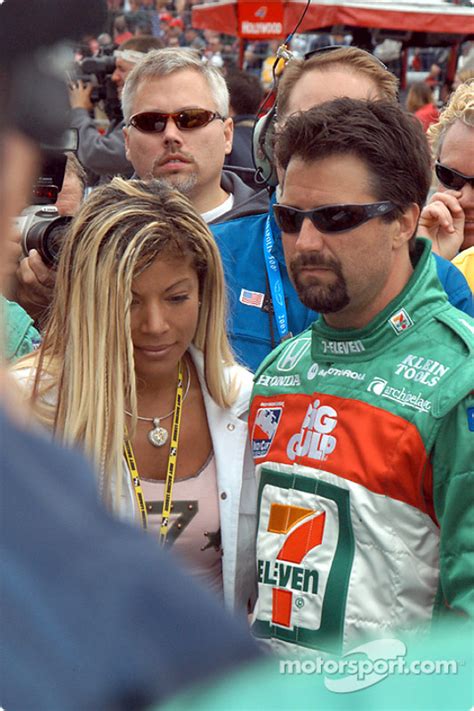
(104, 156)
(34, 277)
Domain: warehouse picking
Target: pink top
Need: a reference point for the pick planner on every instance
(194, 529)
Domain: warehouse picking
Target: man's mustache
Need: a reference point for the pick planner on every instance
(170, 154)
(313, 259)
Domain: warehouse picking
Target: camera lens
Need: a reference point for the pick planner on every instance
(47, 236)
(98, 65)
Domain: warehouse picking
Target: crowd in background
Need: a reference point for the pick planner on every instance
(171, 22)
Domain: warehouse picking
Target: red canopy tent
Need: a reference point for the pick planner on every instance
(250, 19)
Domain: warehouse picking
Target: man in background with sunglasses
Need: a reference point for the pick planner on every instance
(178, 129)
(448, 219)
(265, 307)
(362, 426)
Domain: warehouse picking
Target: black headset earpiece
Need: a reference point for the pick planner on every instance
(263, 136)
(262, 148)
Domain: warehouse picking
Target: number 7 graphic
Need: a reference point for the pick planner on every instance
(298, 543)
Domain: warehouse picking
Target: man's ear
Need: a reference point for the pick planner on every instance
(281, 176)
(127, 150)
(228, 135)
(407, 225)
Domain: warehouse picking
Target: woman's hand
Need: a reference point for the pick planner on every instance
(442, 220)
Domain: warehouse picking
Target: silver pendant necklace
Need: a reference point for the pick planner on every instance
(158, 435)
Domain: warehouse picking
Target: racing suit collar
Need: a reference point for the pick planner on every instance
(414, 303)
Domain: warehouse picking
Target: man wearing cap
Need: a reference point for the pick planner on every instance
(176, 27)
(104, 156)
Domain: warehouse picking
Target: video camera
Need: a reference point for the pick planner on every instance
(99, 70)
(40, 225)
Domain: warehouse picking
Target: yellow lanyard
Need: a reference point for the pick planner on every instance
(171, 468)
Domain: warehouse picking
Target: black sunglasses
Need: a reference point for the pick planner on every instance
(329, 218)
(185, 120)
(452, 178)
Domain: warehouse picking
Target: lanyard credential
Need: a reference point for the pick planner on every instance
(276, 283)
(171, 468)
(137, 487)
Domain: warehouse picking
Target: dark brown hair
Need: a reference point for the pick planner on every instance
(389, 140)
(419, 95)
(245, 92)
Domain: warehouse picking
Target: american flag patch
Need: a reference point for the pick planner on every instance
(251, 298)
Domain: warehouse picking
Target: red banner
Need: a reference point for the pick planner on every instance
(260, 20)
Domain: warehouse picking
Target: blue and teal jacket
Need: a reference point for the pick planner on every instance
(252, 329)
(20, 336)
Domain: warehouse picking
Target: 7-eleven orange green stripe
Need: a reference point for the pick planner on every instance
(374, 448)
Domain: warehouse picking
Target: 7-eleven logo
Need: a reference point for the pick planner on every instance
(305, 529)
(400, 321)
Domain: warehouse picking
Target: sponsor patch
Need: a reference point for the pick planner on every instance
(266, 424)
(280, 381)
(251, 298)
(314, 439)
(377, 386)
(292, 355)
(380, 387)
(342, 347)
(305, 547)
(400, 321)
(304, 532)
(421, 370)
(317, 370)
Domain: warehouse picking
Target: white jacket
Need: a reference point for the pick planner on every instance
(236, 485)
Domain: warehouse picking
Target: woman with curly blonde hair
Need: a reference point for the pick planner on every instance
(135, 367)
(448, 218)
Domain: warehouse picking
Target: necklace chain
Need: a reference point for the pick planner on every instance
(163, 417)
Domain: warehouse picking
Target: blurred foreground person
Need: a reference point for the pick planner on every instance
(431, 673)
(135, 367)
(94, 617)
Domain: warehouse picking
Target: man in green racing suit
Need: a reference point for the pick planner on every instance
(362, 426)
